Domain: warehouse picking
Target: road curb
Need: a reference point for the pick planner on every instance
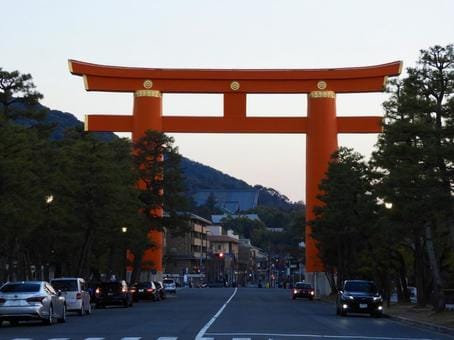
(431, 326)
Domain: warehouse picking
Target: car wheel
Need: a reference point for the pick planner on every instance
(343, 313)
(50, 318)
(126, 303)
(63, 316)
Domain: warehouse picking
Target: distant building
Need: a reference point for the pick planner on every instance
(188, 254)
(216, 219)
(275, 230)
(230, 201)
(224, 258)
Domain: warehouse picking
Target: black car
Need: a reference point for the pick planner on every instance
(303, 290)
(113, 293)
(147, 291)
(359, 296)
(161, 290)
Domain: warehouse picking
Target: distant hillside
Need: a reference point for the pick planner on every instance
(197, 176)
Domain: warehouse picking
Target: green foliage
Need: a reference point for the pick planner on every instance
(345, 216)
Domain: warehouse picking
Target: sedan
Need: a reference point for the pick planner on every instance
(303, 290)
(31, 300)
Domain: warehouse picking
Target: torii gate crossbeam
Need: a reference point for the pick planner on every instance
(321, 124)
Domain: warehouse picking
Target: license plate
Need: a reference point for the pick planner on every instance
(141, 290)
(363, 305)
(109, 294)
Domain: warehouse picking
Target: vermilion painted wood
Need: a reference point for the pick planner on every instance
(321, 125)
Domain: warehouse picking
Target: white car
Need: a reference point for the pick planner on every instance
(170, 286)
(75, 293)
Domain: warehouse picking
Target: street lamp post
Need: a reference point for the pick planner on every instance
(49, 199)
(125, 252)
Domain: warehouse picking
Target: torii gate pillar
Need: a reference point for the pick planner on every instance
(321, 142)
(147, 112)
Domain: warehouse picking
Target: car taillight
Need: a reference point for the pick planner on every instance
(78, 296)
(295, 291)
(35, 299)
(312, 292)
(98, 291)
(132, 290)
(149, 289)
(124, 290)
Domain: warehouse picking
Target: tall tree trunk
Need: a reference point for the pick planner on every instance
(419, 272)
(439, 299)
(85, 252)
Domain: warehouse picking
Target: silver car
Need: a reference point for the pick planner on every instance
(31, 300)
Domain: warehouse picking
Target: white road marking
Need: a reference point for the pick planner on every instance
(200, 335)
(315, 336)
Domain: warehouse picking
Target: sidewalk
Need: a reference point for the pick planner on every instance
(409, 313)
(422, 316)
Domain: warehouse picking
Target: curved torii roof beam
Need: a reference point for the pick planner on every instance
(130, 79)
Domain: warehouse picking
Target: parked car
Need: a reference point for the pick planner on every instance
(75, 292)
(148, 291)
(113, 293)
(161, 290)
(170, 286)
(359, 296)
(31, 300)
(303, 290)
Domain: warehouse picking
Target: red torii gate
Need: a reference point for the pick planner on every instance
(321, 124)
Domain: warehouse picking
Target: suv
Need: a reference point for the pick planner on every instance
(170, 286)
(75, 292)
(148, 291)
(113, 293)
(359, 296)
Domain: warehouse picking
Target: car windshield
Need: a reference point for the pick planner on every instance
(20, 288)
(361, 287)
(303, 286)
(168, 282)
(144, 285)
(65, 285)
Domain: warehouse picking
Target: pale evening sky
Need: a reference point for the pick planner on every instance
(38, 37)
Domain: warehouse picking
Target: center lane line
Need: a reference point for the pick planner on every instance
(201, 333)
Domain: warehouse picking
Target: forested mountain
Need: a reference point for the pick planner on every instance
(197, 176)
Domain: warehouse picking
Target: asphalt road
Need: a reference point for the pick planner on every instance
(221, 313)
